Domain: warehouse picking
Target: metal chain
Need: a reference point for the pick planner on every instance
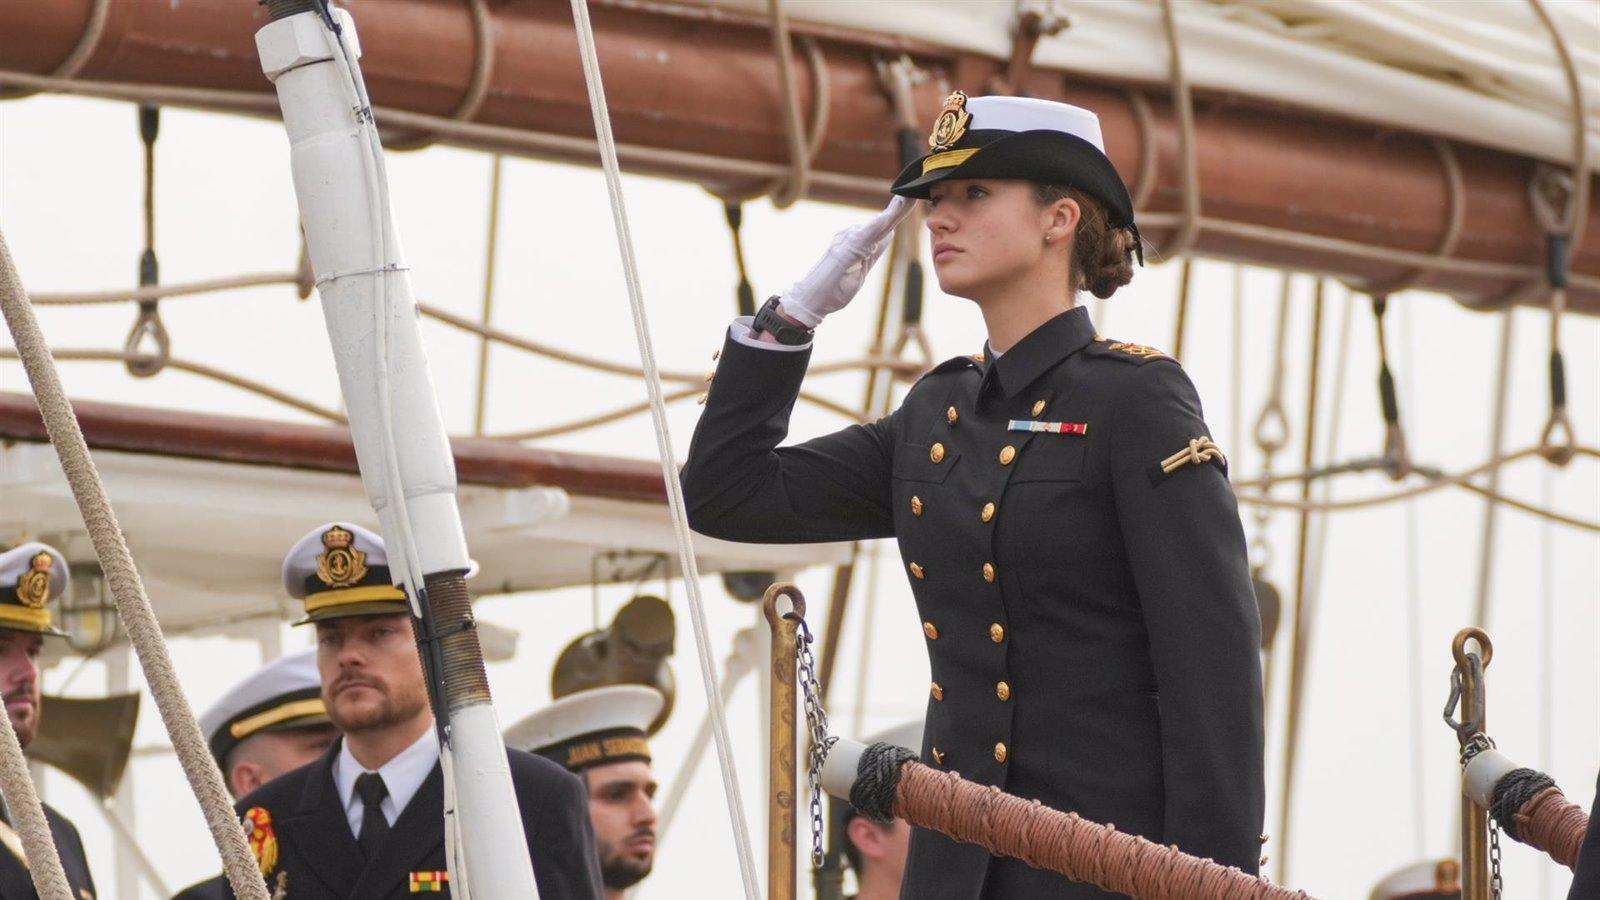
(821, 741)
(1495, 882)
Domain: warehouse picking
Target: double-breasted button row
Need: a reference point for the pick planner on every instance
(1007, 454)
(987, 514)
(988, 572)
(936, 690)
(917, 571)
(936, 453)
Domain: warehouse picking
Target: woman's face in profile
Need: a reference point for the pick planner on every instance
(985, 233)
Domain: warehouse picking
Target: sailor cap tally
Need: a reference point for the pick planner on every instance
(31, 577)
(339, 569)
(280, 696)
(1020, 138)
(591, 728)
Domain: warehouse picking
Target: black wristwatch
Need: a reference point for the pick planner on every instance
(782, 330)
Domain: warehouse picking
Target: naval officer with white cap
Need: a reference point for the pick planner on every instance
(366, 819)
(601, 734)
(32, 576)
(269, 724)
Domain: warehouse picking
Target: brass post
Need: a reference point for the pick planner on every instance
(781, 778)
(1474, 818)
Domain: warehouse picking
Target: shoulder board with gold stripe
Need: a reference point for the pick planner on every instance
(1132, 353)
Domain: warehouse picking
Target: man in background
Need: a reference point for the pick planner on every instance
(271, 723)
(600, 734)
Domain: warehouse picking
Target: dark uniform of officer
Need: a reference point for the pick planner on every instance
(31, 576)
(1074, 549)
(298, 825)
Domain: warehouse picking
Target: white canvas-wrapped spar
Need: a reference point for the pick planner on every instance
(406, 464)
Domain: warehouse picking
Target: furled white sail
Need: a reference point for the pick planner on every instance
(1481, 71)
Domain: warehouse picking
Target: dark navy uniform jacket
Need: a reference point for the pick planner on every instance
(17, 884)
(320, 858)
(1089, 619)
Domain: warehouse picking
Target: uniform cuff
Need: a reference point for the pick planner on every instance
(741, 331)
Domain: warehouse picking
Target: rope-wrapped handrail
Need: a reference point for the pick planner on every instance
(722, 169)
(127, 587)
(892, 783)
(1525, 802)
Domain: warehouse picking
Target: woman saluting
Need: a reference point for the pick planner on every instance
(1067, 526)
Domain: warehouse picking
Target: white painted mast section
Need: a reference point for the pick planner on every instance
(394, 414)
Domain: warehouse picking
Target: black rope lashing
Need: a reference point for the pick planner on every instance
(139, 363)
(1512, 792)
(1394, 435)
(878, 781)
(745, 295)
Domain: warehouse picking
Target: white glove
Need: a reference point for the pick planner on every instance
(835, 279)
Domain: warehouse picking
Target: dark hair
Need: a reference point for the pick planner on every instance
(1102, 256)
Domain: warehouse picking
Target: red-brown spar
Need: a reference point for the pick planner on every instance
(1372, 188)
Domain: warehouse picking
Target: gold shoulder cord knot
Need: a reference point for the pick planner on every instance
(1200, 450)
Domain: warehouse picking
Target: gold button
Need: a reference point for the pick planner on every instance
(936, 453)
(936, 691)
(988, 571)
(1000, 752)
(1007, 454)
(1001, 690)
(951, 415)
(701, 400)
(988, 511)
(996, 633)
(711, 376)
(931, 630)
(938, 756)
(916, 506)
(1038, 407)
(916, 570)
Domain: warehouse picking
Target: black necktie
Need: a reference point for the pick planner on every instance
(374, 827)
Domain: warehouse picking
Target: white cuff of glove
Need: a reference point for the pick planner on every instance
(743, 331)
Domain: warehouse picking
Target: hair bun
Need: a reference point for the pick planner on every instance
(1114, 266)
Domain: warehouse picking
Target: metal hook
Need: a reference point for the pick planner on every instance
(142, 364)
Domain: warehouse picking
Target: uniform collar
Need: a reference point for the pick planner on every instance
(402, 775)
(1041, 349)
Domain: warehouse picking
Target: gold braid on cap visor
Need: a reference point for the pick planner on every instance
(947, 159)
(366, 593)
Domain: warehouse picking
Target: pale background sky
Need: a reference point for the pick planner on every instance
(70, 188)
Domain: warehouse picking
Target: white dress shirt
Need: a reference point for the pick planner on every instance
(402, 775)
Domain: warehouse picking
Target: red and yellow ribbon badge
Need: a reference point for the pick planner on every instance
(263, 840)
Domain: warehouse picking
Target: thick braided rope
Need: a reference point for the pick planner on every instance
(1552, 823)
(1064, 843)
(126, 586)
(44, 864)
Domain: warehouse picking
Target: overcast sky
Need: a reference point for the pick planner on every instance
(1377, 771)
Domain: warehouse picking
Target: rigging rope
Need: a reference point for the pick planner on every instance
(1497, 446)
(493, 241)
(669, 464)
(1183, 105)
(477, 84)
(1300, 648)
(744, 294)
(133, 606)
